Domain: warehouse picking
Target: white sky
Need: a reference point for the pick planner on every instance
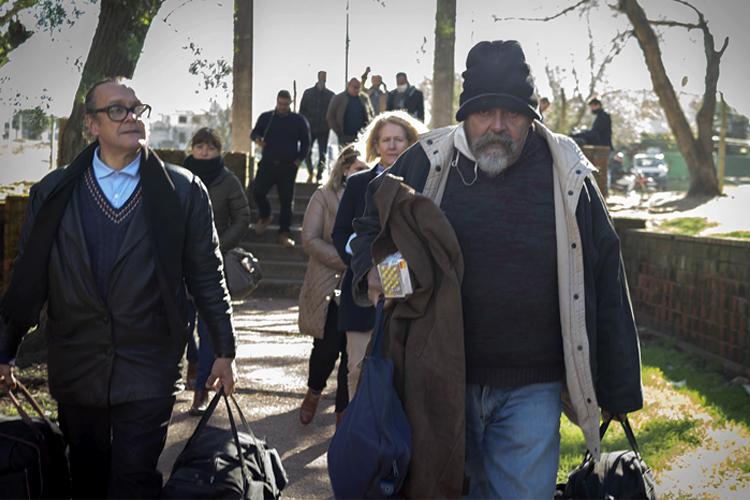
(296, 38)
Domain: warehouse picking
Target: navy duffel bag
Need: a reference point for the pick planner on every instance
(369, 455)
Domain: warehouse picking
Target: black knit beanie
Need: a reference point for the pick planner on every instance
(497, 75)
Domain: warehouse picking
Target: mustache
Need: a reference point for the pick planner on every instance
(502, 139)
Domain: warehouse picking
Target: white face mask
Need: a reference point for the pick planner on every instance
(402, 88)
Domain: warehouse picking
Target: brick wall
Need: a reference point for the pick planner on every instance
(693, 289)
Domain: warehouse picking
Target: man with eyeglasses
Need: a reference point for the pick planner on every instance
(112, 244)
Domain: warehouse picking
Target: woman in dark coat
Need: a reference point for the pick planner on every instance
(231, 218)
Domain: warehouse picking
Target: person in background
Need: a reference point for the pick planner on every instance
(232, 218)
(349, 112)
(406, 96)
(313, 107)
(377, 92)
(285, 139)
(384, 140)
(543, 106)
(318, 312)
(600, 133)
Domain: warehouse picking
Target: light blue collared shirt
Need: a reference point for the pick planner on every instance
(117, 185)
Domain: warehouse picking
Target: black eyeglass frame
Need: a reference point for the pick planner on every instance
(128, 110)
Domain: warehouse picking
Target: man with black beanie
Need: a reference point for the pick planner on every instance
(546, 311)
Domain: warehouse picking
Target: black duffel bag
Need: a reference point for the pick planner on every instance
(33, 454)
(617, 474)
(243, 272)
(226, 463)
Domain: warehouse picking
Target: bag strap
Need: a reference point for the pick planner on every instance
(32, 402)
(629, 434)
(377, 335)
(235, 435)
(204, 418)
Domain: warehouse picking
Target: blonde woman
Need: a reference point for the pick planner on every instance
(318, 313)
(384, 139)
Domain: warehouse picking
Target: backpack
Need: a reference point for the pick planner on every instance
(33, 454)
(370, 452)
(618, 474)
(226, 463)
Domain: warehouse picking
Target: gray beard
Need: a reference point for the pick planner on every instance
(494, 163)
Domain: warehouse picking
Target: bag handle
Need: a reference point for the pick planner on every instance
(32, 402)
(377, 335)
(629, 434)
(235, 434)
(220, 394)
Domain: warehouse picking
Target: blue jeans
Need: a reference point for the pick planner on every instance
(205, 349)
(512, 440)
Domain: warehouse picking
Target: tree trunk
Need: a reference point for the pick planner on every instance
(115, 49)
(443, 68)
(242, 75)
(697, 152)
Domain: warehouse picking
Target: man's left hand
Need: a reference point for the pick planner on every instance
(297, 163)
(222, 375)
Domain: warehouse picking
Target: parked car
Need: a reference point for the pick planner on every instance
(652, 165)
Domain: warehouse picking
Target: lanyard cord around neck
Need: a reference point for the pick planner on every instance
(454, 164)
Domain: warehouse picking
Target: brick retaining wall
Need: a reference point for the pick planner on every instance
(693, 289)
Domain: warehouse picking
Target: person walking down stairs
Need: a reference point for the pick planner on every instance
(285, 139)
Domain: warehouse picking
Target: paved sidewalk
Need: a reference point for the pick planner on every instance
(272, 370)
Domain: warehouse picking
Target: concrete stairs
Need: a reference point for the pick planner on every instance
(283, 268)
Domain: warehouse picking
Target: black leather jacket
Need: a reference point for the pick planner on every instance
(121, 348)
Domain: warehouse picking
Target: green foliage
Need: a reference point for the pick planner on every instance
(34, 121)
(745, 235)
(689, 226)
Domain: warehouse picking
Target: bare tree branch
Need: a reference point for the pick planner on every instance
(701, 17)
(545, 19)
(723, 47)
(674, 24)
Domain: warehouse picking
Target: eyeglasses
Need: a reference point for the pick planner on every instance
(118, 112)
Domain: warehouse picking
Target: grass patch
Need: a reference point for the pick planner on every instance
(745, 235)
(705, 381)
(688, 226)
(35, 379)
(662, 437)
(659, 439)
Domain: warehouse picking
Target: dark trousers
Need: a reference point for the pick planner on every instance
(114, 451)
(323, 358)
(322, 139)
(281, 175)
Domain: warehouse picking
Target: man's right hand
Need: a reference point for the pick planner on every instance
(7, 379)
(260, 143)
(374, 286)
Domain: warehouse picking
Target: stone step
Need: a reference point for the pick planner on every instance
(282, 288)
(297, 215)
(283, 269)
(271, 233)
(304, 191)
(274, 252)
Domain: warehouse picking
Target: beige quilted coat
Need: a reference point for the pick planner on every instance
(325, 267)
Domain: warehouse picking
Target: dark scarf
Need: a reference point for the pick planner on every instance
(27, 291)
(207, 170)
